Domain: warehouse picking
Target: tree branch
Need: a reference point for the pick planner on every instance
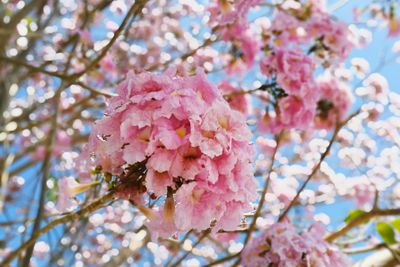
(205, 233)
(222, 260)
(264, 192)
(360, 220)
(381, 258)
(95, 205)
(45, 174)
(135, 9)
(316, 167)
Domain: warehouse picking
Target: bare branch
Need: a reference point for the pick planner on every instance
(95, 205)
(316, 167)
(360, 220)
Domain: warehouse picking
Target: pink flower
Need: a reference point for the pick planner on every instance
(68, 188)
(292, 113)
(288, 30)
(192, 209)
(245, 47)
(364, 195)
(394, 27)
(297, 26)
(293, 70)
(107, 65)
(217, 129)
(176, 136)
(230, 22)
(105, 140)
(224, 13)
(335, 35)
(172, 133)
(187, 163)
(157, 182)
(281, 245)
(295, 112)
(333, 104)
(238, 102)
(233, 213)
(160, 226)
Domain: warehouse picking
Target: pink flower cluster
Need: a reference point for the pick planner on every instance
(287, 30)
(229, 20)
(333, 34)
(281, 246)
(225, 13)
(236, 100)
(302, 102)
(297, 26)
(190, 143)
(334, 102)
(293, 72)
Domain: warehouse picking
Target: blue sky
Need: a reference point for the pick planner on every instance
(380, 44)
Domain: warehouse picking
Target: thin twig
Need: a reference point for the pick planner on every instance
(179, 246)
(222, 260)
(33, 68)
(264, 192)
(95, 91)
(316, 167)
(135, 9)
(184, 56)
(365, 249)
(45, 174)
(95, 205)
(205, 233)
(360, 220)
(263, 87)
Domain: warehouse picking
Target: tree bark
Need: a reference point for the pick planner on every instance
(381, 258)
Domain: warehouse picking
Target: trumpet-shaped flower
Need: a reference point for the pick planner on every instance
(176, 136)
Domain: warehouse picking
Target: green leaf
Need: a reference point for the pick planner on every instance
(9, 12)
(396, 224)
(29, 20)
(52, 192)
(354, 214)
(386, 231)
